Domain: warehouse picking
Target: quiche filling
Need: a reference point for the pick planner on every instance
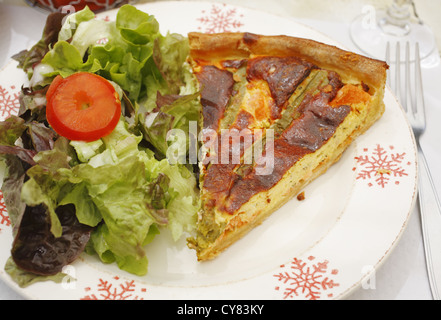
(301, 104)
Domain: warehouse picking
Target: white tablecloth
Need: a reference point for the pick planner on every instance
(403, 275)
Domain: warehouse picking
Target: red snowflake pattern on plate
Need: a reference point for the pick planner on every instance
(9, 103)
(115, 290)
(306, 279)
(381, 166)
(4, 218)
(221, 18)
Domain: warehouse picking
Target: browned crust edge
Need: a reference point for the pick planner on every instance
(242, 45)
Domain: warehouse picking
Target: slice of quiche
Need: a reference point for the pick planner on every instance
(300, 103)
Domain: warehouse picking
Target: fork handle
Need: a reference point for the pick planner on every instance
(430, 211)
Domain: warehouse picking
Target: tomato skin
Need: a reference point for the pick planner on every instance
(83, 106)
(52, 88)
(79, 5)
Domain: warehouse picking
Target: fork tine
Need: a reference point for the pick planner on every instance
(429, 205)
(398, 72)
(408, 104)
(389, 80)
(409, 90)
(419, 97)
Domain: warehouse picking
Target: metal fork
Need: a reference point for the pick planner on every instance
(428, 201)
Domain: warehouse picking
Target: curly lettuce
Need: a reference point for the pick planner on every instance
(122, 187)
(124, 51)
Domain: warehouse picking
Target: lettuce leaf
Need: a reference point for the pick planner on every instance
(129, 51)
(72, 22)
(28, 58)
(64, 58)
(142, 62)
(118, 186)
(11, 129)
(123, 58)
(133, 194)
(127, 198)
(25, 278)
(136, 27)
(172, 117)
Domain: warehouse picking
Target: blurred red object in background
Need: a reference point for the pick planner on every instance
(94, 5)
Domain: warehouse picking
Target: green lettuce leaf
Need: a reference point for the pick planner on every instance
(170, 55)
(27, 59)
(134, 54)
(136, 27)
(72, 22)
(184, 206)
(64, 58)
(122, 58)
(11, 129)
(167, 128)
(132, 193)
(118, 186)
(24, 279)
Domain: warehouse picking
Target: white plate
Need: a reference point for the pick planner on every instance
(320, 248)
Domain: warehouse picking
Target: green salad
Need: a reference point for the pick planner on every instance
(112, 196)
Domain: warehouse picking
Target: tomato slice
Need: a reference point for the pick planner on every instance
(83, 106)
